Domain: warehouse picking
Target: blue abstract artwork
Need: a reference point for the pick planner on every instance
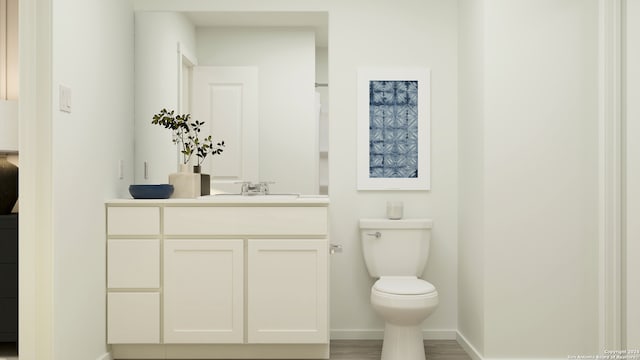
(393, 129)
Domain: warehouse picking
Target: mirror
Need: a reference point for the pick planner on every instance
(258, 79)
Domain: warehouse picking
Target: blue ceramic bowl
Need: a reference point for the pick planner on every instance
(161, 191)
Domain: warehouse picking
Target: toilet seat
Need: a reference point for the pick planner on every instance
(403, 285)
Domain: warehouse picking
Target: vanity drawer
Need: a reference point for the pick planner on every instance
(133, 263)
(133, 220)
(245, 221)
(133, 318)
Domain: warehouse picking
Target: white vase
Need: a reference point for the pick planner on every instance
(185, 183)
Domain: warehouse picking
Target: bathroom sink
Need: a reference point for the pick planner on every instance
(257, 197)
(225, 198)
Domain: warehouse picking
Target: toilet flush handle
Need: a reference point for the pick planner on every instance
(377, 234)
(335, 248)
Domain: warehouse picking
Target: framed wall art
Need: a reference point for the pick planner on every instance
(394, 129)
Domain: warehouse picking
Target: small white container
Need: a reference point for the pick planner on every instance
(186, 184)
(394, 210)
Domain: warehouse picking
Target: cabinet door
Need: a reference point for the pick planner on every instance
(287, 284)
(203, 291)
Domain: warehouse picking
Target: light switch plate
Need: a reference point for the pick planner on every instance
(65, 98)
(121, 169)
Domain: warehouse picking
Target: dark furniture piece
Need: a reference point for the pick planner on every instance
(9, 278)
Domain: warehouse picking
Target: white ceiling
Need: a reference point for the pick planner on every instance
(317, 21)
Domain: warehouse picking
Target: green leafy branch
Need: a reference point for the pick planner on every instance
(186, 135)
(205, 147)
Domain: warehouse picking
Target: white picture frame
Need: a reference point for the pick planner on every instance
(394, 146)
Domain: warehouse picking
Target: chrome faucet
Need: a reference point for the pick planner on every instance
(248, 188)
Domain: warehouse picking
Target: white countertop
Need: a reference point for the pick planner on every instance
(227, 200)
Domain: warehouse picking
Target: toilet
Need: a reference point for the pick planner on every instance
(396, 253)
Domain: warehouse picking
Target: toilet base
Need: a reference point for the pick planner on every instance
(402, 343)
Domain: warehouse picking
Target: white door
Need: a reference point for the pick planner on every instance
(287, 300)
(203, 291)
(226, 99)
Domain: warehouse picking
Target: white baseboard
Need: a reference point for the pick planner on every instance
(475, 355)
(378, 334)
(106, 356)
(466, 346)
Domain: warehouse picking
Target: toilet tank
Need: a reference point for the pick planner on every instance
(395, 247)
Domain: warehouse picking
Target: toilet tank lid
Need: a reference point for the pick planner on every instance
(396, 224)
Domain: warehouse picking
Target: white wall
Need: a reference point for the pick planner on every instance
(415, 33)
(92, 53)
(471, 202)
(632, 180)
(541, 173)
(285, 59)
(538, 85)
(156, 87)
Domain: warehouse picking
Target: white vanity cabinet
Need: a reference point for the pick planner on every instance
(218, 279)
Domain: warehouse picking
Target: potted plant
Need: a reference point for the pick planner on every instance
(185, 134)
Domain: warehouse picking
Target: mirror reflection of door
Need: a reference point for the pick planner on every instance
(226, 99)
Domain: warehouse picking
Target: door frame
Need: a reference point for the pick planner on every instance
(35, 316)
(611, 169)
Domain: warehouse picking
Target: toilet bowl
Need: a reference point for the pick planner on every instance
(396, 252)
(404, 303)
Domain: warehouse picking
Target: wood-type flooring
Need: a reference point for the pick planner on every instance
(347, 350)
(370, 350)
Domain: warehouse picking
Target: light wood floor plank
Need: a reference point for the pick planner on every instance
(371, 349)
